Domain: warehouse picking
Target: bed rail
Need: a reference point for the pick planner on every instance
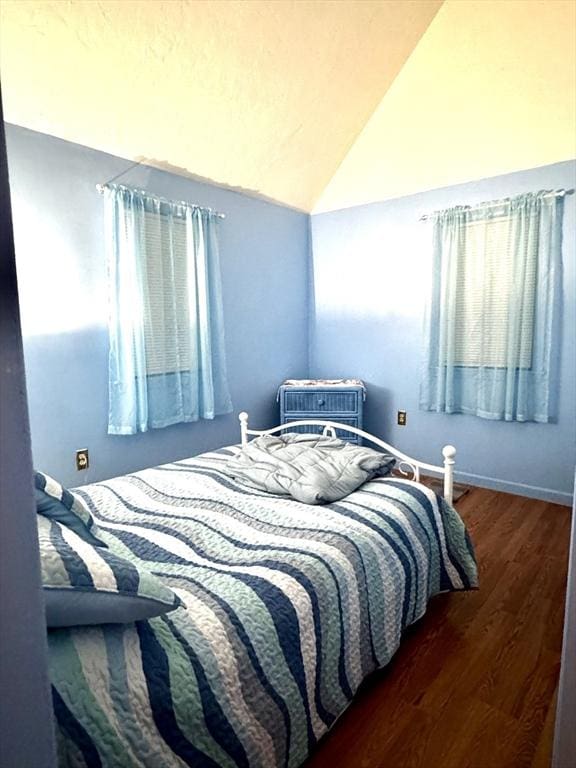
(329, 429)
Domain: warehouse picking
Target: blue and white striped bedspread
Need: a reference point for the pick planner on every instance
(286, 609)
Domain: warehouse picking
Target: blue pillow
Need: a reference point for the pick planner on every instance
(91, 585)
(60, 504)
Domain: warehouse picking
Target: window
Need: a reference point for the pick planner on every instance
(484, 296)
(490, 335)
(167, 322)
(167, 359)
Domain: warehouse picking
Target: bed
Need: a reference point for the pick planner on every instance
(283, 609)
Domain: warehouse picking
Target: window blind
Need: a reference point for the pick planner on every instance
(484, 296)
(167, 318)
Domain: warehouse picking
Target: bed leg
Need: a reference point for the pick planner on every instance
(243, 428)
(449, 452)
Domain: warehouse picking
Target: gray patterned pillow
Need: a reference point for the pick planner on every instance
(84, 584)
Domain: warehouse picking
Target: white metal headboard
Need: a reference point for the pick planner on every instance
(330, 427)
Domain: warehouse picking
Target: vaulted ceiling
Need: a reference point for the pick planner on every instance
(317, 104)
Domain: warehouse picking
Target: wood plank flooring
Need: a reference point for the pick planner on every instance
(474, 682)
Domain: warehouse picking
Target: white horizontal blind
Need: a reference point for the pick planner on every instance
(167, 332)
(485, 279)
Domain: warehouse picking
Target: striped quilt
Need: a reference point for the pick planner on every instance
(286, 609)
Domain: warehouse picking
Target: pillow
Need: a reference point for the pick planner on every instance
(60, 504)
(91, 585)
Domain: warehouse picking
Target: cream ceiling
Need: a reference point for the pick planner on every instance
(312, 103)
(489, 89)
(266, 96)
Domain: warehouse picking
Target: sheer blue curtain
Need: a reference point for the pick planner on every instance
(491, 327)
(167, 359)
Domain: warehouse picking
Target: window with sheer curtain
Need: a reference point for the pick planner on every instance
(167, 359)
(167, 322)
(491, 324)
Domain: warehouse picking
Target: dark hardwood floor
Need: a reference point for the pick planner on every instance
(474, 682)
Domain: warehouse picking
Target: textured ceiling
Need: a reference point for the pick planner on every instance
(317, 104)
(263, 96)
(490, 89)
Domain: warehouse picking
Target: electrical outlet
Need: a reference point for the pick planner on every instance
(402, 418)
(82, 459)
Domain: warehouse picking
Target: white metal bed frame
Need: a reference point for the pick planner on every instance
(329, 429)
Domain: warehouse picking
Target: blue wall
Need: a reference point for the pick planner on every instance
(58, 221)
(358, 312)
(371, 277)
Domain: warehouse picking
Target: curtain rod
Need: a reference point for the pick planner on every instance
(101, 187)
(547, 193)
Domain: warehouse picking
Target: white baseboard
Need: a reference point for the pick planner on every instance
(520, 489)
